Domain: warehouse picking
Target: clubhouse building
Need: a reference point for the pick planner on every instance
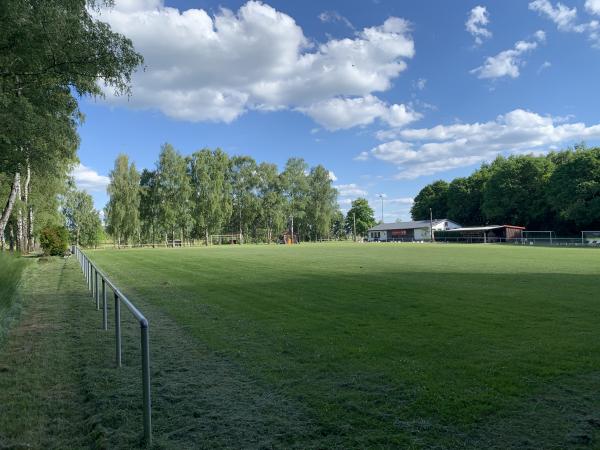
(417, 230)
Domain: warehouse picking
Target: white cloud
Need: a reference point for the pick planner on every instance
(420, 83)
(426, 151)
(565, 18)
(507, 62)
(214, 68)
(334, 16)
(593, 6)
(545, 65)
(342, 113)
(88, 179)
(332, 176)
(350, 190)
(362, 156)
(476, 22)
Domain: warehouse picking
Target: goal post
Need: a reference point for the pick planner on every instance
(220, 239)
(590, 238)
(539, 236)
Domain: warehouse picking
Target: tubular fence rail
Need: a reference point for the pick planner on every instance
(94, 277)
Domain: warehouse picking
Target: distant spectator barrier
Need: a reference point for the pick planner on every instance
(94, 277)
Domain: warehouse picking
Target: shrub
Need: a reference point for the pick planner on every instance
(54, 240)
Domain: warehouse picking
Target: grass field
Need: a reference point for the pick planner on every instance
(375, 346)
(313, 346)
(11, 269)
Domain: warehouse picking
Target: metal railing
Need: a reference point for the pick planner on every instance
(94, 277)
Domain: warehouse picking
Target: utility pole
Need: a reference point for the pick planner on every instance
(431, 224)
(381, 196)
(354, 218)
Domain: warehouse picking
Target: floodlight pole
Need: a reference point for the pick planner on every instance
(431, 224)
(381, 197)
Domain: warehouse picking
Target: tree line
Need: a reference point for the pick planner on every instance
(559, 191)
(51, 54)
(186, 198)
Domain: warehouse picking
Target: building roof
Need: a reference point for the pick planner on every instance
(485, 228)
(405, 225)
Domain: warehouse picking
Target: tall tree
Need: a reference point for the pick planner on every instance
(515, 192)
(123, 207)
(212, 191)
(82, 220)
(272, 202)
(174, 193)
(50, 52)
(321, 202)
(574, 189)
(360, 217)
(244, 182)
(434, 196)
(465, 198)
(149, 205)
(295, 188)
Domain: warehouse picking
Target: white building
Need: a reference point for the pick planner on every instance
(418, 230)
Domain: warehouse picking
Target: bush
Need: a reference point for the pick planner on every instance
(54, 240)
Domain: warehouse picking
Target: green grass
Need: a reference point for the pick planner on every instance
(378, 346)
(11, 268)
(313, 347)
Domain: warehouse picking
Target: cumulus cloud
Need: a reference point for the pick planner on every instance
(88, 179)
(350, 190)
(342, 113)
(426, 151)
(508, 62)
(565, 18)
(593, 6)
(202, 67)
(332, 176)
(476, 22)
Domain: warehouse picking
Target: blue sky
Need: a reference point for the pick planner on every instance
(387, 95)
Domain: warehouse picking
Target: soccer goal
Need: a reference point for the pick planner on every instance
(590, 238)
(539, 237)
(220, 239)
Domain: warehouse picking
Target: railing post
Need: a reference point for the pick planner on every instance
(104, 307)
(97, 295)
(118, 330)
(146, 383)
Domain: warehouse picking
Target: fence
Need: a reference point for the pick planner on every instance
(549, 242)
(93, 277)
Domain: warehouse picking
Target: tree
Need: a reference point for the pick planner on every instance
(321, 202)
(82, 220)
(465, 197)
(360, 217)
(149, 205)
(50, 52)
(244, 183)
(211, 191)
(515, 192)
(295, 189)
(337, 225)
(574, 189)
(271, 199)
(432, 197)
(174, 193)
(123, 207)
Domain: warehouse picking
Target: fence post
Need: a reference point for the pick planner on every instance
(146, 382)
(118, 330)
(97, 296)
(104, 307)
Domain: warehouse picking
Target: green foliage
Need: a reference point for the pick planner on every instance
(54, 240)
(123, 217)
(11, 269)
(360, 217)
(321, 202)
(432, 197)
(559, 191)
(83, 221)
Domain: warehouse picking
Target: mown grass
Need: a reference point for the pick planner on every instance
(371, 346)
(11, 269)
